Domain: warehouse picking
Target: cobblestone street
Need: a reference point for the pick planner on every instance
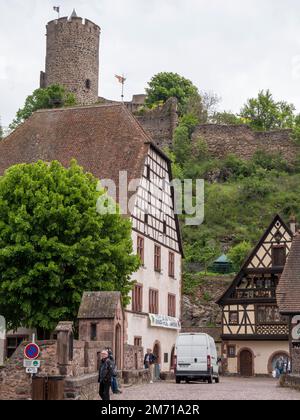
(228, 389)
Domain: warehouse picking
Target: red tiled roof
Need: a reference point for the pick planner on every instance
(104, 140)
(288, 290)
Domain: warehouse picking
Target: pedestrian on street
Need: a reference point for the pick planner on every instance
(149, 362)
(105, 375)
(114, 380)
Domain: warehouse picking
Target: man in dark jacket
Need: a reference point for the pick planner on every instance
(149, 362)
(105, 376)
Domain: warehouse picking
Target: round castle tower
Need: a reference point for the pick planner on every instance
(72, 57)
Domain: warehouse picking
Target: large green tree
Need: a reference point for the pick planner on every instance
(170, 85)
(54, 245)
(264, 113)
(54, 96)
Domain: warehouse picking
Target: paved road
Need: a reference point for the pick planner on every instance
(228, 389)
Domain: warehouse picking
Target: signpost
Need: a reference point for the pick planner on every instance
(31, 353)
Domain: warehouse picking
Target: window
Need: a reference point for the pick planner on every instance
(164, 227)
(233, 317)
(166, 357)
(153, 302)
(279, 256)
(268, 314)
(137, 298)
(141, 248)
(88, 84)
(171, 264)
(146, 219)
(13, 343)
(231, 351)
(93, 332)
(172, 306)
(148, 174)
(157, 258)
(138, 342)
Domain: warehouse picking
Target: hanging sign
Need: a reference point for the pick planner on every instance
(163, 321)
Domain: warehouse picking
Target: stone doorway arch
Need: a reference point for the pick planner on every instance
(274, 357)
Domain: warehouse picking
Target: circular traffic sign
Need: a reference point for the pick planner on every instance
(32, 351)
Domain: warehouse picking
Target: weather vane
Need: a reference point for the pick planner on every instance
(121, 80)
(57, 10)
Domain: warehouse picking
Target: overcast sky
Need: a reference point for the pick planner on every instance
(231, 47)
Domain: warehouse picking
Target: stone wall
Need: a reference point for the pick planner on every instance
(296, 360)
(242, 141)
(15, 384)
(72, 57)
(160, 123)
(133, 357)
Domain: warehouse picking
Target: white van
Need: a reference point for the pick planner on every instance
(196, 358)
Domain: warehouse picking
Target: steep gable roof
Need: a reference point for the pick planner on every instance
(103, 139)
(288, 291)
(276, 224)
(99, 305)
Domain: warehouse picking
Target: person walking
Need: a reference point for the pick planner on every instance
(114, 380)
(149, 363)
(105, 376)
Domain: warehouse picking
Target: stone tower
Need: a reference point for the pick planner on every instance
(72, 57)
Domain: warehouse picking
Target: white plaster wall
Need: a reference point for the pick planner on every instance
(139, 325)
(262, 350)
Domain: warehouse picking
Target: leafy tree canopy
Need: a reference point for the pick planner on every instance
(54, 96)
(54, 245)
(264, 113)
(239, 253)
(170, 85)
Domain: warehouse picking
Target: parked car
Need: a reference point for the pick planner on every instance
(196, 358)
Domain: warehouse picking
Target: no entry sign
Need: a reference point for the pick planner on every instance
(32, 351)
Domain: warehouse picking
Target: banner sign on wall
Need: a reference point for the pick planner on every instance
(163, 321)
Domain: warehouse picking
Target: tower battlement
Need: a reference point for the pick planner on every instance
(72, 57)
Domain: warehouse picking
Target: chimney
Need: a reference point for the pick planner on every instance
(293, 224)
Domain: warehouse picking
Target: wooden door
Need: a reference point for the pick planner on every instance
(246, 363)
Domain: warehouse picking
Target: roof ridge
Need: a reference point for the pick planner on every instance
(73, 108)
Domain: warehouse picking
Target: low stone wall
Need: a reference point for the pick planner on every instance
(134, 377)
(83, 388)
(290, 381)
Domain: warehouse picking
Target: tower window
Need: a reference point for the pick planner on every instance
(88, 84)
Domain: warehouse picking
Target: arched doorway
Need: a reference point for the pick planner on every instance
(118, 347)
(246, 363)
(275, 358)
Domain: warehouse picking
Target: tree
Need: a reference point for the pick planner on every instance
(238, 254)
(169, 85)
(264, 113)
(226, 118)
(54, 245)
(54, 96)
(182, 145)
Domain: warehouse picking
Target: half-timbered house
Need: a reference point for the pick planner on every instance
(107, 140)
(254, 334)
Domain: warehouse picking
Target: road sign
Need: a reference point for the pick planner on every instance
(32, 351)
(32, 371)
(32, 363)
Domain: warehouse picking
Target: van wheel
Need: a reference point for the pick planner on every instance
(217, 380)
(178, 381)
(210, 380)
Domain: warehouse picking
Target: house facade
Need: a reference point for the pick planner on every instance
(254, 334)
(107, 141)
